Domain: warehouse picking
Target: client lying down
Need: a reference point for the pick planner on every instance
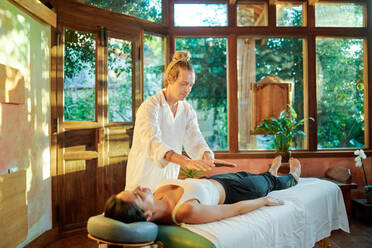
(196, 201)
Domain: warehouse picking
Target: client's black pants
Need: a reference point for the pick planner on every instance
(245, 186)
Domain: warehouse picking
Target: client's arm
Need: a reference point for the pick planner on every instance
(192, 212)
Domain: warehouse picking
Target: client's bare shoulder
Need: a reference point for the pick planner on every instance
(187, 211)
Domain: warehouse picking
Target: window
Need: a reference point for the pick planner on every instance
(79, 76)
(263, 49)
(289, 14)
(147, 9)
(257, 59)
(200, 15)
(209, 95)
(119, 80)
(234, 44)
(339, 15)
(251, 14)
(340, 93)
(154, 62)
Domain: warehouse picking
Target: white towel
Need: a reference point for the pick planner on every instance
(312, 209)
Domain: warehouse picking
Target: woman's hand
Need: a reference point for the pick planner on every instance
(199, 165)
(219, 163)
(207, 156)
(186, 163)
(273, 201)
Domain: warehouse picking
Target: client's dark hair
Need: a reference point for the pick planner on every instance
(123, 211)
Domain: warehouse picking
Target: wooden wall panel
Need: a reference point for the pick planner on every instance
(80, 140)
(79, 192)
(13, 209)
(118, 141)
(111, 177)
(111, 180)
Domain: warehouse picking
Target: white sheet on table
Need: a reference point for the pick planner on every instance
(312, 209)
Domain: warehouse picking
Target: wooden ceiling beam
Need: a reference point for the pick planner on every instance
(39, 10)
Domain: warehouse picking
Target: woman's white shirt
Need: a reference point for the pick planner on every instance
(156, 132)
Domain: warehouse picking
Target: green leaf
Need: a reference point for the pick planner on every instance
(187, 173)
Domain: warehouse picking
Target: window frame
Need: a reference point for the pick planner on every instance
(308, 32)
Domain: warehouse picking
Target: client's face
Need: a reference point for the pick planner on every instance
(141, 196)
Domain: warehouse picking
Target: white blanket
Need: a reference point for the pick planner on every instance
(312, 209)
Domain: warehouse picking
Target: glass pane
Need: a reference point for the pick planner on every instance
(257, 59)
(252, 14)
(288, 15)
(200, 14)
(209, 94)
(339, 15)
(147, 9)
(154, 61)
(340, 93)
(79, 76)
(119, 80)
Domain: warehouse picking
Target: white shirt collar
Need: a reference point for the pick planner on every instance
(163, 101)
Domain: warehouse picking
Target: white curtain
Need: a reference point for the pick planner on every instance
(246, 76)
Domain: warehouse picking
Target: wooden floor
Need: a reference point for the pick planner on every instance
(360, 237)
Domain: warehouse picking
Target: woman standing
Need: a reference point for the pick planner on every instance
(164, 124)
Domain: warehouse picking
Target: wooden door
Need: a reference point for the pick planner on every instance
(98, 89)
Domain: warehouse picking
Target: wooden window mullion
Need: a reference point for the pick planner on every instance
(233, 121)
(310, 90)
(368, 78)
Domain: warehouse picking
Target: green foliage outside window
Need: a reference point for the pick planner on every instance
(79, 52)
(339, 14)
(154, 62)
(209, 95)
(340, 93)
(289, 15)
(79, 76)
(119, 80)
(145, 9)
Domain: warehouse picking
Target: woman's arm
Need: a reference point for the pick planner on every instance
(193, 212)
(187, 163)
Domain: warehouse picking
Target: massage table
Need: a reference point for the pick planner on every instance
(312, 209)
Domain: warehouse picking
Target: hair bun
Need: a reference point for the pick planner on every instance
(181, 56)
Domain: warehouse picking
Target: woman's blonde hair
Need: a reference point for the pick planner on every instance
(179, 61)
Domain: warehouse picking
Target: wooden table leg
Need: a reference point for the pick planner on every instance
(323, 243)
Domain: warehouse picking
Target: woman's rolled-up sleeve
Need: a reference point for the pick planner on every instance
(194, 143)
(149, 132)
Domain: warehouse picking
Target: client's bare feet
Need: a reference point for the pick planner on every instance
(275, 165)
(295, 168)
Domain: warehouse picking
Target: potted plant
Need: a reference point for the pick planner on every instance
(285, 129)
